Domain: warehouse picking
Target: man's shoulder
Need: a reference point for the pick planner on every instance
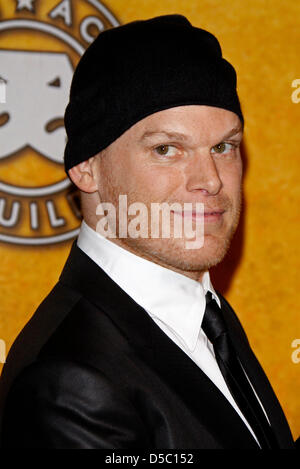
(66, 327)
(46, 319)
(86, 335)
(66, 324)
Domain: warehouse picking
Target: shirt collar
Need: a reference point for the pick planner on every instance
(170, 297)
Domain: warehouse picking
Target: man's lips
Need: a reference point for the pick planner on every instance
(212, 215)
(205, 213)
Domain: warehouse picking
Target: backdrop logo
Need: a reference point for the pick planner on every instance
(40, 45)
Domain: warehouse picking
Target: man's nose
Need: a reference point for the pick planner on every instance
(202, 174)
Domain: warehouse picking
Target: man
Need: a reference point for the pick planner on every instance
(134, 348)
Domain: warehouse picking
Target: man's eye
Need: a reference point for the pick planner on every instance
(165, 150)
(222, 147)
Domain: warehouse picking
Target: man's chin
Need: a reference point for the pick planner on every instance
(199, 260)
(174, 253)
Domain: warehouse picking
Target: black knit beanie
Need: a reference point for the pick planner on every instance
(139, 68)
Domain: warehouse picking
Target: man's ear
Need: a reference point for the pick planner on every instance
(82, 176)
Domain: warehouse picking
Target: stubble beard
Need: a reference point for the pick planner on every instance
(170, 253)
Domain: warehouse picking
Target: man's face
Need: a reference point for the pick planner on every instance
(182, 154)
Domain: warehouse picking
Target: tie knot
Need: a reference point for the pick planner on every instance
(213, 323)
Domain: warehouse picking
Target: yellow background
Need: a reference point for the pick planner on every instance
(260, 274)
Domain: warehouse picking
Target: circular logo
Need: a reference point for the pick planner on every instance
(40, 45)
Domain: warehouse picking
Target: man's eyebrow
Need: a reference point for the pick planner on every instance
(232, 132)
(183, 137)
(177, 135)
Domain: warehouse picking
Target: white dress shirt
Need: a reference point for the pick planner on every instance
(175, 302)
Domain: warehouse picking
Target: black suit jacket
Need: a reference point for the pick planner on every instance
(92, 370)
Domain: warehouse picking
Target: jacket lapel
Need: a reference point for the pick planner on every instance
(199, 393)
(257, 377)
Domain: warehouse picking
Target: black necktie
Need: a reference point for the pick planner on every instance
(215, 329)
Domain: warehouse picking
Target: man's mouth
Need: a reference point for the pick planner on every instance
(208, 216)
